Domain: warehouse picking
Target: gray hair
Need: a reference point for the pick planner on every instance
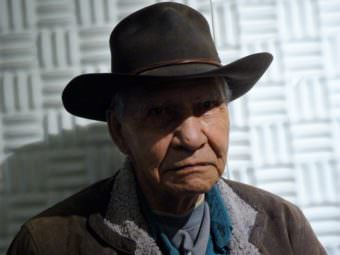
(120, 99)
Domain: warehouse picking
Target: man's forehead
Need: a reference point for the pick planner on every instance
(191, 89)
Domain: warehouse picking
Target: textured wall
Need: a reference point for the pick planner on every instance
(285, 134)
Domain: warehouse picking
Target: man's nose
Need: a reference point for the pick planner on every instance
(189, 135)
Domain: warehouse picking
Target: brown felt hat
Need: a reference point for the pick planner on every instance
(156, 45)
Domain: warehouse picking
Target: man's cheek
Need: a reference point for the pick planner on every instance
(160, 148)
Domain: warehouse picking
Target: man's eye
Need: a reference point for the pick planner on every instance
(156, 111)
(206, 106)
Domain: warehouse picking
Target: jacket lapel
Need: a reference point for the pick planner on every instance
(113, 239)
(243, 218)
(123, 226)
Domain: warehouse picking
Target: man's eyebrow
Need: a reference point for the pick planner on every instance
(141, 105)
(210, 96)
(156, 101)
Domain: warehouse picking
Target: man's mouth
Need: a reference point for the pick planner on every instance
(190, 166)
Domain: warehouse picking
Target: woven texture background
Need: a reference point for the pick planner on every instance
(285, 133)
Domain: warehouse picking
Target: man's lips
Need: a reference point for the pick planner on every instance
(189, 166)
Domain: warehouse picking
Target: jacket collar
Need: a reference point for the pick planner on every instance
(123, 226)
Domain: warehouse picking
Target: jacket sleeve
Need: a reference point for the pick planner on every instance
(23, 244)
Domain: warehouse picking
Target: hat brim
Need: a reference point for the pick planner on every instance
(89, 95)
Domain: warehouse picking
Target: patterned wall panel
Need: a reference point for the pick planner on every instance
(285, 133)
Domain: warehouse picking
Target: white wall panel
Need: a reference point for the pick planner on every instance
(285, 134)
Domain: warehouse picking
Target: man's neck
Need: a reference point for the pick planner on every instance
(172, 205)
(199, 202)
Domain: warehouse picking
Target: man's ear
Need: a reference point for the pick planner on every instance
(115, 129)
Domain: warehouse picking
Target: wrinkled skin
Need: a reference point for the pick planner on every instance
(177, 139)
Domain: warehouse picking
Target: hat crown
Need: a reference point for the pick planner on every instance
(162, 43)
(159, 35)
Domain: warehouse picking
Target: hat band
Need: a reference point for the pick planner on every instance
(177, 62)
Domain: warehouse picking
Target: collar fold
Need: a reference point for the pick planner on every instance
(124, 227)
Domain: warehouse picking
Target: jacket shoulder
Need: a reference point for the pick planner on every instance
(280, 219)
(258, 198)
(90, 200)
(74, 209)
(60, 226)
(23, 244)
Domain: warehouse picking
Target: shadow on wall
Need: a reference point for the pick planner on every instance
(38, 175)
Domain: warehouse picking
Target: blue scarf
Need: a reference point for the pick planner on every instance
(220, 225)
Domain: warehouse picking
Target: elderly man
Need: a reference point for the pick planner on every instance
(166, 106)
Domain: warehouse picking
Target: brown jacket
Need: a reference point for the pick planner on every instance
(105, 219)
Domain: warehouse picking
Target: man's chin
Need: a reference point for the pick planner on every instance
(185, 189)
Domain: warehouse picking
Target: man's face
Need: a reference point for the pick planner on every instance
(177, 137)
